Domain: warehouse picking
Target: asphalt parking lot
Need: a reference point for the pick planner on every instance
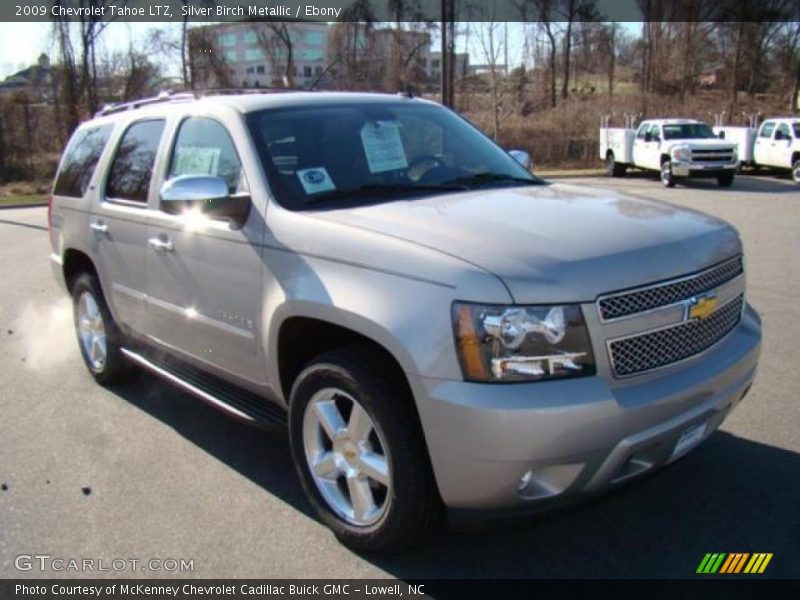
(144, 471)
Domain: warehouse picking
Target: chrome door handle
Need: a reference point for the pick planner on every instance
(161, 244)
(99, 227)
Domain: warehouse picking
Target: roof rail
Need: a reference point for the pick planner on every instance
(165, 96)
(170, 96)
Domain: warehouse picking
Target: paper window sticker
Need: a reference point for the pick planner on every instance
(196, 160)
(315, 180)
(383, 146)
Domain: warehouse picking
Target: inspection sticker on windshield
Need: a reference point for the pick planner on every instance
(383, 146)
(689, 439)
(315, 180)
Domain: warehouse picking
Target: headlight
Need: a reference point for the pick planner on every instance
(521, 343)
(682, 153)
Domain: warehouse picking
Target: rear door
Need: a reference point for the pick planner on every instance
(119, 220)
(762, 150)
(203, 276)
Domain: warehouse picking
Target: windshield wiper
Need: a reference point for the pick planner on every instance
(384, 189)
(479, 179)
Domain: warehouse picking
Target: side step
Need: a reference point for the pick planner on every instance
(236, 402)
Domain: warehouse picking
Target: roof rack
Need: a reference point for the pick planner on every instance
(170, 96)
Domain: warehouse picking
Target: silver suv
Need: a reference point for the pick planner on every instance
(437, 327)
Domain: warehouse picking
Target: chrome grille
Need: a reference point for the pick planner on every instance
(718, 156)
(635, 301)
(659, 348)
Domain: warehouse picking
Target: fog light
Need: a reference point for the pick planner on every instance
(524, 481)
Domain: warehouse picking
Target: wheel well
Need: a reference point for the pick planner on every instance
(300, 339)
(75, 264)
(795, 157)
(663, 158)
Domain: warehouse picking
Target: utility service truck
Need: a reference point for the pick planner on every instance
(775, 144)
(676, 148)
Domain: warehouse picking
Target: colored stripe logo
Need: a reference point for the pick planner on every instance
(734, 563)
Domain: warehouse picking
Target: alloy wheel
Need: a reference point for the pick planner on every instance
(92, 331)
(347, 457)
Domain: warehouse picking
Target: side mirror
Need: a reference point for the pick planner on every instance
(522, 158)
(205, 193)
(648, 137)
(778, 135)
(721, 135)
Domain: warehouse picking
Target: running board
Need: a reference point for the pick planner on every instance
(236, 402)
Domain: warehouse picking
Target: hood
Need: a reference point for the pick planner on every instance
(707, 144)
(555, 243)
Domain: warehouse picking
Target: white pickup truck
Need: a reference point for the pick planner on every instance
(676, 148)
(776, 143)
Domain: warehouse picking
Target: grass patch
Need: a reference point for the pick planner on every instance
(22, 199)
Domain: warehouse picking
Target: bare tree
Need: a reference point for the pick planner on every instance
(277, 40)
(491, 41)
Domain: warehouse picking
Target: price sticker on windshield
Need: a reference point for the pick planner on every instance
(383, 146)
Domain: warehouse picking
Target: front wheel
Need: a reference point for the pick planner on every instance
(725, 180)
(99, 338)
(667, 178)
(359, 452)
(796, 171)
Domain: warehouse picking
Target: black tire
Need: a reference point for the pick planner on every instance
(726, 180)
(115, 368)
(796, 171)
(613, 168)
(667, 178)
(413, 505)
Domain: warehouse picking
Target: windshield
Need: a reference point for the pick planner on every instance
(687, 131)
(361, 153)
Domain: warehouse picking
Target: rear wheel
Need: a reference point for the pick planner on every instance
(725, 180)
(613, 168)
(667, 178)
(99, 338)
(359, 452)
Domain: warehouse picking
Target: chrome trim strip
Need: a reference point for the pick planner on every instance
(665, 283)
(185, 385)
(673, 326)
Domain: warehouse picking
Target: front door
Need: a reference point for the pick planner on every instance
(782, 146)
(204, 276)
(645, 147)
(762, 150)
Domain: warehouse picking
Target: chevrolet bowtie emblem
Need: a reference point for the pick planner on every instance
(701, 307)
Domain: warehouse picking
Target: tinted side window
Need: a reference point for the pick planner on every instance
(643, 129)
(204, 147)
(784, 129)
(132, 168)
(766, 129)
(80, 160)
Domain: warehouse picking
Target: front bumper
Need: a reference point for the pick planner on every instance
(575, 436)
(690, 169)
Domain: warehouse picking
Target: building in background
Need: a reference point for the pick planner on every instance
(346, 55)
(36, 81)
(258, 54)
